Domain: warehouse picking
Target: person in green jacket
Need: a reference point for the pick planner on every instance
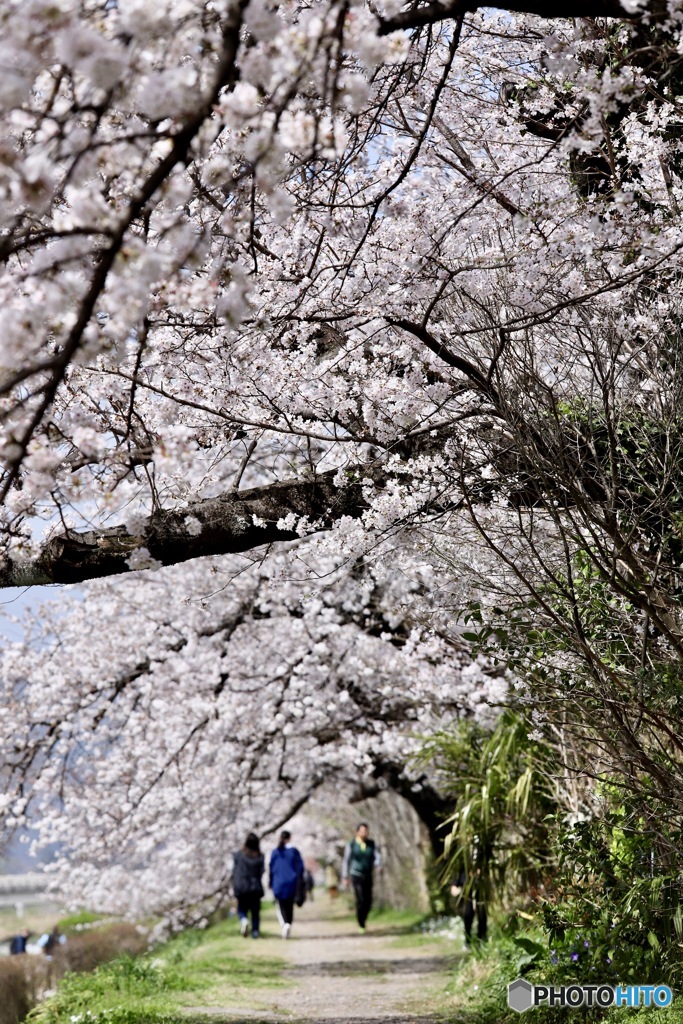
(361, 857)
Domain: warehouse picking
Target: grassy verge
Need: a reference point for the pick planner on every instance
(404, 924)
(25, 978)
(421, 930)
(478, 991)
(196, 971)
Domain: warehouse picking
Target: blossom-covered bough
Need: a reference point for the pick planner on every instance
(374, 305)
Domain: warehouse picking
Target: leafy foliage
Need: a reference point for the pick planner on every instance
(499, 836)
(616, 907)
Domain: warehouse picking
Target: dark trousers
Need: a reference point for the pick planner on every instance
(286, 910)
(250, 904)
(362, 887)
(468, 916)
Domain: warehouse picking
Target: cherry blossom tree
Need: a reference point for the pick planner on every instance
(322, 294)
(214, 700)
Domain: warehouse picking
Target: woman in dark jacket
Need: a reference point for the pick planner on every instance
(247, 872)
(286, 875)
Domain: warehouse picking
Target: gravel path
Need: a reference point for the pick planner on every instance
(336, 975)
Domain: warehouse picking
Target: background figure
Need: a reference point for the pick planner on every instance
(332, 881)
(18, 942)
(309, 883)
(361, 857)
(472, 896)
(49, 942)
(247, 872)
(286, 874)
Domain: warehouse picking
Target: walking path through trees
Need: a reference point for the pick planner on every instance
(335, 974)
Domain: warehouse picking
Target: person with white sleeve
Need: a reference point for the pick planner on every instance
(361, 857)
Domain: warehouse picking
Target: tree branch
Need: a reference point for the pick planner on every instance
(227, 527)
(440, 350)
(431, 13)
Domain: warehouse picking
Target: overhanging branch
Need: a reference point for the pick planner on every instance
(227, 527)
(419, 15)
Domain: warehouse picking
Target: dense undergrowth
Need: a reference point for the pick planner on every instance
(206, 967)
(602, 876)
(478, 991)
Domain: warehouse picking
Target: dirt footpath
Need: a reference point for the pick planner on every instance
(336, 974)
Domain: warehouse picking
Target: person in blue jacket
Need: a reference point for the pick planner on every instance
(19, 942)
(286, 877)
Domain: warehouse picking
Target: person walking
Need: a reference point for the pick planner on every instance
(361, 857)
(286, 877)
(471, 893)
(247, 873)
(50, 944)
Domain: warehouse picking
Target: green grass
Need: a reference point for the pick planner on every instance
(405, 926)
(478, 991)
(190, 979)
(206, 969)
(415, 938)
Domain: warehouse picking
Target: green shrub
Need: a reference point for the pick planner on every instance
(23, 979)
(114, 1015)
(616, 911)
(111, 993)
